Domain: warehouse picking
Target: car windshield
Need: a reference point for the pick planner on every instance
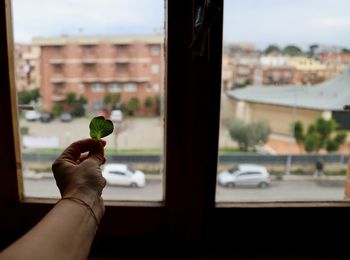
(131, 170)
(233, 169)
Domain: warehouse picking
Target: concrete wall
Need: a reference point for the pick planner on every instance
(280, 118)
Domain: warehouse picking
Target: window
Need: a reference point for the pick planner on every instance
(89, 67)
(89, 49)
(97, 87)
(154, 50)
(115, 87)
(122, 48)
(130, 87)
(58, 49)
(279, 103)
(122, 67)
(155, 69)
(189, 211)
(58, 68)
(117, 173)
(59, 88)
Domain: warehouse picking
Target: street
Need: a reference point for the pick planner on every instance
(286, 190)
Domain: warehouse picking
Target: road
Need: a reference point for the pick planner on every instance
(286, 190)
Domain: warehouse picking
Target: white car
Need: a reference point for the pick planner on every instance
(32, 115)
(116, 116)
(245, 175)
(121, 174)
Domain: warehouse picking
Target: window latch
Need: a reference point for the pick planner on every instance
(205, 15)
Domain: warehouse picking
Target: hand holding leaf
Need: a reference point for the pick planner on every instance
(100, 127)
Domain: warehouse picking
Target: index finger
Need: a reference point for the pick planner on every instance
(74, 151)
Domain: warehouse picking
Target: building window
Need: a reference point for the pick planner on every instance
(115, 87)
(154, 50)
(89, 49)
(130, 87)
(58, 68)
(122, 48)
(59, 88)
(58, 49)
(155, 69)
(97, 87)
(89, 67)
(122, 67)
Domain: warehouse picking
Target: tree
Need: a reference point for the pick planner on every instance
(75, 104)
(249, 135)
(323, 133)
(57, 109)
(111, 101)
(158, 105)
(71, 99)
(292, 50)
(132, 105)
(272, 48)
(299, 133)
(148, 102)
(26, 97)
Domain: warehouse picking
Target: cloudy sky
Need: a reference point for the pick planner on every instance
(300, 22)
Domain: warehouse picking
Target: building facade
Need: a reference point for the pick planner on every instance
(27, 67)
(93, 66)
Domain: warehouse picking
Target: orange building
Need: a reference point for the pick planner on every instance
(94, 65)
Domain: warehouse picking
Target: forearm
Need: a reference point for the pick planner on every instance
(66, 232)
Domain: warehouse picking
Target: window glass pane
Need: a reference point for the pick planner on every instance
(80, 59)
(115, 87)
(284, 78)
(130, 87)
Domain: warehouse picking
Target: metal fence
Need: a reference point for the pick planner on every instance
(223, 159)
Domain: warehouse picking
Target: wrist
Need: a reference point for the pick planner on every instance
(92, 199)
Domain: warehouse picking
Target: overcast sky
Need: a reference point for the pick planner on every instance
(300, 22)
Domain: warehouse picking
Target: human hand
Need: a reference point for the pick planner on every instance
(79, 174)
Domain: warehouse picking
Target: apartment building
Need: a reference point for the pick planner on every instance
(335, 62)
(94, 65)
(27, 67)
(308, 70)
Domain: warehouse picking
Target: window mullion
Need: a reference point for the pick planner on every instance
(10, 184)
(193, 106)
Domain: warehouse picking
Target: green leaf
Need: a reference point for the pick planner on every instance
(100, 127)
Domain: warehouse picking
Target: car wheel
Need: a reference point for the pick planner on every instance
(133, 185)
(230, 185)
(263, 184)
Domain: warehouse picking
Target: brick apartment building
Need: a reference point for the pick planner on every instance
(27, 67)
(94, 65)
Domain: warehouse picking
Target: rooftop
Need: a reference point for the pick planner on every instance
(84, 39)
(330, 95)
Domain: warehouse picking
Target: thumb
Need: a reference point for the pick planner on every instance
(97, 153)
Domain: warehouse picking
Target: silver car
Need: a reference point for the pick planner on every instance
(252, 175)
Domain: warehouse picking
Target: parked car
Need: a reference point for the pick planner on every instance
(245, 175)
(66, 117)
(32, 115)
(46, 117)
(116, 116)
(122, 174)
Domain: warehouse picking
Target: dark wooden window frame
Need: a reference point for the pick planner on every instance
(188, 213)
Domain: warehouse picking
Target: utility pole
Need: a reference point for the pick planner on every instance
(294, 113)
